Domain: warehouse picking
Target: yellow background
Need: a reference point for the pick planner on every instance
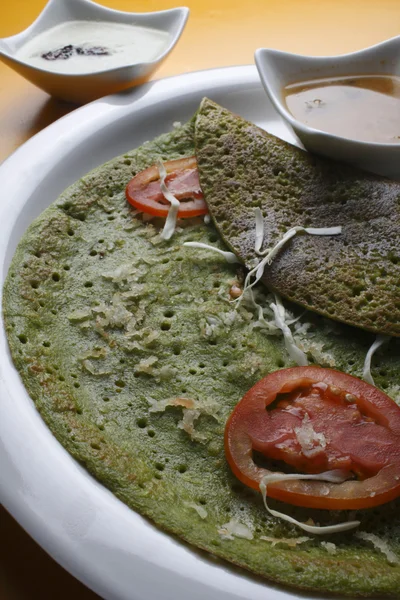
(219, 32)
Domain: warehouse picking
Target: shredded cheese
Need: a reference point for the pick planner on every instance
(170, 222)
(259, 230)
(230, 257)
(379, 544)
(201, 511)
(310, 441)
(336, 476)
(294, 351)
(291, 542)
(379, 340)
(235, 528)
(329, 547)
(258, 270)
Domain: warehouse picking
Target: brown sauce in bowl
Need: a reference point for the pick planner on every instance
(365, 107)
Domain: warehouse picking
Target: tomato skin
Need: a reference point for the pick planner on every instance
(250, 420)
(144, 191)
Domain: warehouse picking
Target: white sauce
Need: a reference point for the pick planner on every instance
(125, 44)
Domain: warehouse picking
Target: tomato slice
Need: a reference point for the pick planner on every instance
(144, 190)
(315, 420)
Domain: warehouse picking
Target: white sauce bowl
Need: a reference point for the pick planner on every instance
(84, 87)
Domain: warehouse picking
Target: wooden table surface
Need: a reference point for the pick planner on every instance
(219, 33)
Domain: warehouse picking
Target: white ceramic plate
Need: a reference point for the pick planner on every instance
(80, 523)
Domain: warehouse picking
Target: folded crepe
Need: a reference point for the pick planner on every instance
(353, 277)
(134, 355)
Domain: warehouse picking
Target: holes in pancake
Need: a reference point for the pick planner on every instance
(225, 363)
(280, 363)
(165, 261)
(61, 378)
(182, 468)
(159, 466)
(66, 267)
(34, 284)
(202, 501)
(169, 313)
(70, 232)
(95, 446)
(176, 349)
(193, 371)
(141, 422)
(213, 237)
(22, 338)
(106, 399)
(46, 344)
(158, 476)
(93, 253)
(101, 241)
(53, 311)
(201, 365)
(127, 162)
(111, 218)
(212, 342)
(55, 277)
(38, 254)
(151, 433)
(77, 385)
(120, 383)
(165, 326)
(88, 284)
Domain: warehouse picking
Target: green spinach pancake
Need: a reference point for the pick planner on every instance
(135, 356)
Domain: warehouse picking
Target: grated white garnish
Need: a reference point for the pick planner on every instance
(161, 405)
(201, 511)
(170, 222)
(336, 476)
(235, 528)
(258, 270)
(310, 441)
(146, 365)
(329, 547)
(379, 544)
(191, 411)
(230, 257)
(207, 219)
(379, 340)
(259, 230)
(190, 415)
(291, 542)
(294, 351)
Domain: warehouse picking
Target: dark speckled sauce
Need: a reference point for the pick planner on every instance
(365, 107)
